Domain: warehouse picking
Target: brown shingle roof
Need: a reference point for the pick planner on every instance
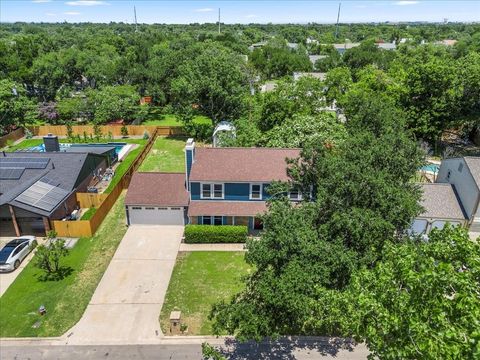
(226, 208)
(160, 189)
(241, 164)
(440, 201)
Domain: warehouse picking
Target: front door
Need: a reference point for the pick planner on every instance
(257, 224)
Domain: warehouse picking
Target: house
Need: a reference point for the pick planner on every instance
(314, 58)
(341, 48)
(387, 46)
(268, 86)
(463, 174)
(316, 75)
(38, 187)
(220, 186)
(453, 198)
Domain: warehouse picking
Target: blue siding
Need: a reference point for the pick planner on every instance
(250, 223)
(237, 191)
(195, 190)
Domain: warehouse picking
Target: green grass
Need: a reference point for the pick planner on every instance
(27, 143)
(65, 300)
(166, 155)
(200, 279)
(89, 213)
(172, 120)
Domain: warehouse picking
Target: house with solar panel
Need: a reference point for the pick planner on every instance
(39, 187)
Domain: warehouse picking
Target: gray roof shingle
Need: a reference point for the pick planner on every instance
(440, 201)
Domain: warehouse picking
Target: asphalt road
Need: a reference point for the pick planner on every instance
(286, 350)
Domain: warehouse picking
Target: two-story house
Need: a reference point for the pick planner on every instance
(220, 186)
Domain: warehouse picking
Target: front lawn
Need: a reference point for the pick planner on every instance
(166, 155)
(200, 279)
(25, 144)
(65, 300)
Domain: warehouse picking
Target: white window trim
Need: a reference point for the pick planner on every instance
(261, 191)
(300, 196)
(212, 191)
(212, 219)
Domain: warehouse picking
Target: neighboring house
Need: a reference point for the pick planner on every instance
(446, 42)
(227, 129)
(220, 186)
(387, 46)
(441, 205)
(341, 48)
(464, 175)
(292, 46)
(38, 187)
(268, 86)
(316, 75)
(454, 197)
(315, 58)
(257, 45)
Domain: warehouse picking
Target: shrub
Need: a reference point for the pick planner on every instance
(28, 134)
(47, 258)
(124, 130)
(146, 135)
(198, 234)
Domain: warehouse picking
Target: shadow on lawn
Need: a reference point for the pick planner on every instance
(285, 348)
(60, 274)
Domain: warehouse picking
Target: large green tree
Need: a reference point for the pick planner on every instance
(16, 109)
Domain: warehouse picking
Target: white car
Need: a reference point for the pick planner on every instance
(13, 253)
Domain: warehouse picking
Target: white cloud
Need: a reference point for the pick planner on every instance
(71, 13)
(50, 14)
(86, 3)
(204, 10)
(41, 1)
(402, 3)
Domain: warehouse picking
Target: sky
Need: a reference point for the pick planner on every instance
(247, 11)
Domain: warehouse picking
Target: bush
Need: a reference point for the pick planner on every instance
(146, 135)
(28, 134)
(204, 234)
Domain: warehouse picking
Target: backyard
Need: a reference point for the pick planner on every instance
(155, 118)
(199, 280)
(65, 300)
(166, 155)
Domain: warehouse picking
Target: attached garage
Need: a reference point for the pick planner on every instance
(152, 215)
(157, 199)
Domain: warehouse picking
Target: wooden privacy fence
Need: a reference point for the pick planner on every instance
(102, 202)
(114, 130)
(13, 136)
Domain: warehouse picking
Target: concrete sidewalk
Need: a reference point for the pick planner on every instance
(126, 304)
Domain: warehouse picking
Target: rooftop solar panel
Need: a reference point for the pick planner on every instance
(27, 163)
(11, 173)
(43, 196)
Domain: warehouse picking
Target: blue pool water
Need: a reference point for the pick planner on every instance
(433, 168)
(118, 146)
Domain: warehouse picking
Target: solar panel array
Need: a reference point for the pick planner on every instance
(43, 196)
(26, 163)
(11, 173)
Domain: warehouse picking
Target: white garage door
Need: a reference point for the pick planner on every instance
(156, 215)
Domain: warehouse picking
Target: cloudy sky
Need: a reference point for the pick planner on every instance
(279, 11)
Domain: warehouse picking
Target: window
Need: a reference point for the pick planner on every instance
(149, 208)
(206, 190)
(212, 191)
(218, 191)
(217, 220)
(175, 208)
(295, 194)
(255, 191)
(162, 208)
(136, 208)
(207, 220)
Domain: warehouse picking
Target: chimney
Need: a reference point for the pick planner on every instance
(189, 159)
(51, 143)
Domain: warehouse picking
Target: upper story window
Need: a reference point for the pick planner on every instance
(212, 191)
(295, 195)
(255, 191)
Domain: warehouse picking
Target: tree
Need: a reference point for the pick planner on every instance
(15, 108)
(47, 111)
(71, 109)
(362, 197)
(214, 82)
(421, 300)
(337, 84)
(114, 103)
(300, 130)
(47, 257)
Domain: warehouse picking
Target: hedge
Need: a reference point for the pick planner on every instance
(201, 234)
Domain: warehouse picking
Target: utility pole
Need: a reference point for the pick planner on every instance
(219, 20)
(338, 18)
(135, 15)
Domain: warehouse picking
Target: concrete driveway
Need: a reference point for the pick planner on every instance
(126, 304)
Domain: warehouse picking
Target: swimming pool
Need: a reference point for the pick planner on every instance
(432, 168)
(64, 146)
